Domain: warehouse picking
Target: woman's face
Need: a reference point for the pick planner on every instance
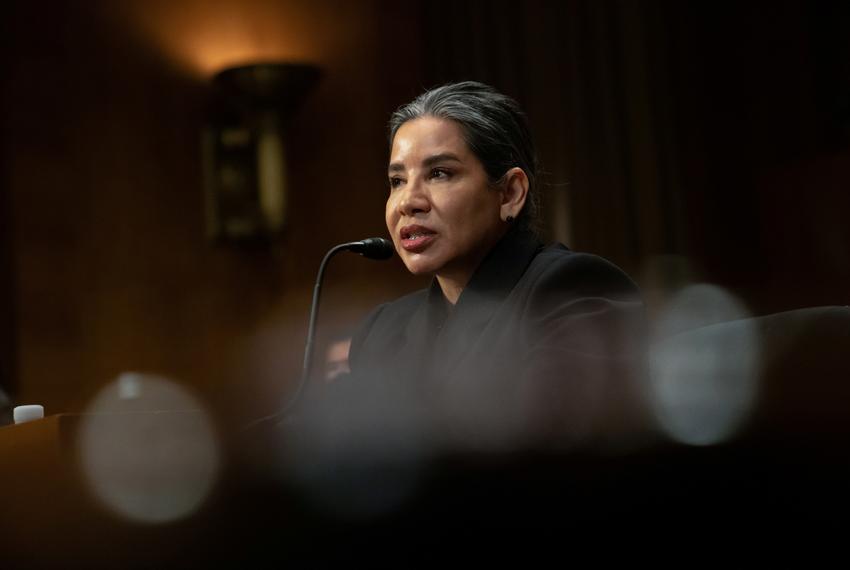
(442, 213)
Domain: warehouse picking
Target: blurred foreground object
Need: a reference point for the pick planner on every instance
(361, 480)
(28, 413)
(147, 449)
(778, 376)
(53, 516)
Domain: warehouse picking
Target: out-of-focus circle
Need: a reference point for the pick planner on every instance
(705, 365)
(148, 450)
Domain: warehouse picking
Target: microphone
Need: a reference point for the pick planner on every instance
(373, 248)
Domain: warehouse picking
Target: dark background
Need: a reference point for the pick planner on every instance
(685, 141)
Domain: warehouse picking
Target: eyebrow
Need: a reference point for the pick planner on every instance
(428, 162)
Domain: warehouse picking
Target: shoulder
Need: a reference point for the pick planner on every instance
(557, 270)
(563, 286)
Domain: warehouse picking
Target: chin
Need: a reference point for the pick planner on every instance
(420, 266)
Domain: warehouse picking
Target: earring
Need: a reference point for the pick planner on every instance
(509, 219)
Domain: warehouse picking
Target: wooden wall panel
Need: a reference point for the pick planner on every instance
(103, 161)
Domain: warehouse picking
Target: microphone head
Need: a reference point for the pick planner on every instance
(374, 248)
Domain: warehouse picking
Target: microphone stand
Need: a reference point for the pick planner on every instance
(307, 366)
(373, 248)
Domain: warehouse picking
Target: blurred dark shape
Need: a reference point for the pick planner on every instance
(806, 375)
(336, 358)
(6, 408)
(358, 449)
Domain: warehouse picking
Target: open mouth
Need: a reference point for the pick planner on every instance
(416, 238)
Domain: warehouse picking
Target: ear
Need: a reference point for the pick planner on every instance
(514, 193)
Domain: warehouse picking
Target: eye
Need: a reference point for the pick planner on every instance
(440, 174)
(395, 181)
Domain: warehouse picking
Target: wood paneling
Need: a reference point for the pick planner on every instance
(110, 265)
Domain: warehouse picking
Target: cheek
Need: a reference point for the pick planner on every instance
(390, 217)
(467, 217)
(476, 224)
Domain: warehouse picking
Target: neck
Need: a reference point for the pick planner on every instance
(452, 288)
(453, 280)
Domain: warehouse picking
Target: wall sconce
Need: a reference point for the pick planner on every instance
(244, 153)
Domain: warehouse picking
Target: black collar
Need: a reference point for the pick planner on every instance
(500, 270)
(450, 331)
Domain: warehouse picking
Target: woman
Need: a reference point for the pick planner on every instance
(514, 343)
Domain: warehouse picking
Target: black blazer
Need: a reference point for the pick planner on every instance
(543, 343)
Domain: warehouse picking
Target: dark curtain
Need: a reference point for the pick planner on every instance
(592, 76)
(713, 131)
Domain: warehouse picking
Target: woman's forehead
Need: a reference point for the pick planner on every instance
(421, 138)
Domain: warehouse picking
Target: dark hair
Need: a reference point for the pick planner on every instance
(493, 125)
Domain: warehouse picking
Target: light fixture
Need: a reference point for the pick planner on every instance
(244, 151)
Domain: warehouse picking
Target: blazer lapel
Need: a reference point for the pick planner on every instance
(492, 282)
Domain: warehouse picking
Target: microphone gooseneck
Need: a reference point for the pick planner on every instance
(373, 248)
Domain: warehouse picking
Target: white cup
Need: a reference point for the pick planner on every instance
(29, 413)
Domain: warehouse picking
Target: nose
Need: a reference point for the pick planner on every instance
(413, 199)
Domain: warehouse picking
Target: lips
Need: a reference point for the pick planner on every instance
(416, 238)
